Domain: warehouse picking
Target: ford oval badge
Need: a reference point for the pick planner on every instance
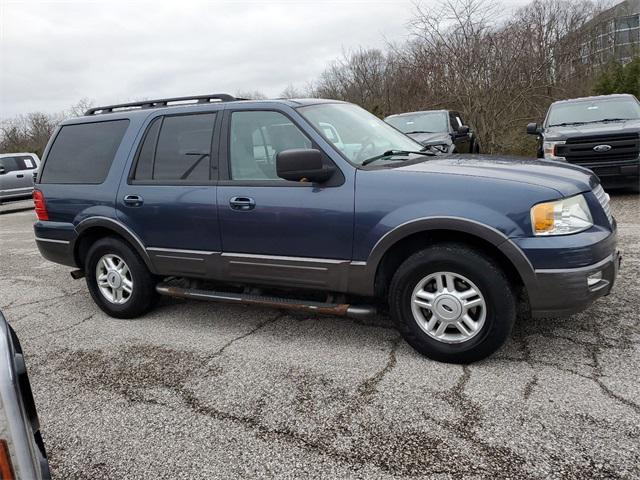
(602, 148)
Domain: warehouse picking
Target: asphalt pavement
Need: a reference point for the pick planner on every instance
(202, 390)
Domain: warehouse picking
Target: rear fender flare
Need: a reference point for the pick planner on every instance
(117, 228)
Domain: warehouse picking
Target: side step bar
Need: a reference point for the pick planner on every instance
(325, 308)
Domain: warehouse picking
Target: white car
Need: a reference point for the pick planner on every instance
(17, 175)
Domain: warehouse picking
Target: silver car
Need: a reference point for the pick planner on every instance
(16, 175)
(22, 452)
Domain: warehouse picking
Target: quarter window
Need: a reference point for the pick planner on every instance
(256, 138)
(177, 148)
(83, 153)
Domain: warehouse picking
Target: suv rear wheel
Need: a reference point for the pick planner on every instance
(118, 280)
(452, 304)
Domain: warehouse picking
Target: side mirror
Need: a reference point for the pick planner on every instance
(534, 129)
(463, 130)
(2, 170)
(299, 165)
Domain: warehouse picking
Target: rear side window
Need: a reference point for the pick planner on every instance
(83, 153)
(27, 163)
(177, 148)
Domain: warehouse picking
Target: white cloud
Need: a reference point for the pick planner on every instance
(53, 53)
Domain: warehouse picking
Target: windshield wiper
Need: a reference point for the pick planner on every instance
(392, 153)
(566, 124)
(610, 120)
(419, 131)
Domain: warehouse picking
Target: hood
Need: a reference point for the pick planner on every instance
(563, 177)
(599, 128)
(431, 138)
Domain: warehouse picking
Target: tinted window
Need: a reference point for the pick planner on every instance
(83, 153)
(144, 167)
(183, 148)
(10, 164)
(256, 139)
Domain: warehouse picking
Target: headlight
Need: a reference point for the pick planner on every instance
(562, 217)
(549, 149)
(438, 147)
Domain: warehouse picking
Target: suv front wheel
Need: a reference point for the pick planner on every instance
(452, 303)
(118, 280)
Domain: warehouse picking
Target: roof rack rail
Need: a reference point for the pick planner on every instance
(162, 102)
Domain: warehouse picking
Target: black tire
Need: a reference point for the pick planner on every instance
(500, 299)
(143, 294)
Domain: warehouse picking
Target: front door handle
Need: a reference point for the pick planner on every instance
(20, 175)
(242, 203)
(132, 200)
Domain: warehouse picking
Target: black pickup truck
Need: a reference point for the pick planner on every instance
(601, 133)
(440, 131)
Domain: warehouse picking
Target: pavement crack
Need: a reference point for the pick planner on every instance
(531, 384)
(369, 387)
(598, 373)
(62, 329)
(258, 327)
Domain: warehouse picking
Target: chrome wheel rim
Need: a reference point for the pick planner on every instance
(448, 307)
(114, 279)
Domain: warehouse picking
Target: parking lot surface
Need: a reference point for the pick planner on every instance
(204, 390)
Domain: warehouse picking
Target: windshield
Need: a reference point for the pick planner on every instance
(594, 111)
(431, 122)
(358, 134)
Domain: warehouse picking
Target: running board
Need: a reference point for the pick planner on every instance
(325, 308)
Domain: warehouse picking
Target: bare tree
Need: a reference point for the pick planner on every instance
(251, 95)
(464, 55)
(291, 91)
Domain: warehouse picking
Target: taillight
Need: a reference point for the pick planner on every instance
(41, 206)
(6, 469)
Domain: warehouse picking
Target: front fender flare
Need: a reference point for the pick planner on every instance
(363, 277)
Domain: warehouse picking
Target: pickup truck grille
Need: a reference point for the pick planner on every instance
(603, 198)
(580, 150)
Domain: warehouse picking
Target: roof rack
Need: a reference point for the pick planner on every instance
(162, 102)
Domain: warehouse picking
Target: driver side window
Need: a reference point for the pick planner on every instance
(256, 137)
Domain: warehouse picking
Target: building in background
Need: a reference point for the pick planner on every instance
(613, 35)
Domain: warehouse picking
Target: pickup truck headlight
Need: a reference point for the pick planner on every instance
(562, 217)
(549, 149)
(437, 147)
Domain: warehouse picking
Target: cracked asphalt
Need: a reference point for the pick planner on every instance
(203, 390)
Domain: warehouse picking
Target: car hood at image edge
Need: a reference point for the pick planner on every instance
(565, 178)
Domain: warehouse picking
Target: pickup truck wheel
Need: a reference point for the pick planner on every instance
(118, 280)
(452, 304)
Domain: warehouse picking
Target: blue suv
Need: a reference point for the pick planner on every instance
(319, 205)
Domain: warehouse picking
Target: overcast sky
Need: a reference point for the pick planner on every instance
(54, 53)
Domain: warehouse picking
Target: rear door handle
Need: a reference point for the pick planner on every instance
(242, 203)
(20, 175)
(133, 200)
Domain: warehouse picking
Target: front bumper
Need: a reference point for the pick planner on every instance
(620, 174)
(561, 292)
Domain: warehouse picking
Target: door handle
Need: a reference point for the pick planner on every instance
(242, 203)
(133, 200)
(20, 175)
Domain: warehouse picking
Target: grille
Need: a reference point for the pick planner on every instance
(580, 150)
(603, 198)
